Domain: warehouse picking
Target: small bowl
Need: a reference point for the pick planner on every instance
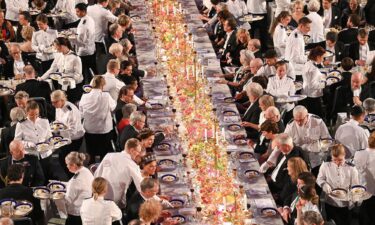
(179, 218)
(8, 201)
(358, 190)
(229, 113)
(246, 157)
(87, 88)
(167, 164)
(23, 208)
(234, 127)
(240, 141)
(169, 178)
(42, 192)
(177, 203)
(43, 146)
(269, 212)
(56, 186)
(163, 147)
(56, 195)
(55, 76)
(229, 100)
(339, 193)
(251, 174)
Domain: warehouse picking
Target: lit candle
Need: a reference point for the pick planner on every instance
(223, 133)
(167, 9)
(177, 43)
(174, 10)
(205, 135)
(180, 7)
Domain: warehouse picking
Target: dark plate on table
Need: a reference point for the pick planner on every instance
(179, 218)
(229, 113)
(168, 178)
(234, 127)
(163, 147)
(167, 164)
(251, 174)
(246, 157)
(269, 212)
(177, 203)
(240, 141)
(157, 106)
(229, 100)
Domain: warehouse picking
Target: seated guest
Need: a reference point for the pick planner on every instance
(120, 169)
(68, 114)
(33, 175)
(32, 86)
(250, 118)
(265, 101)
(337, 174)
(273, 114)
(331, 14)
(254, 46)
(317, 27)
(218, 30)
(7, 31)
(279, 175)
(137, 123)
(269, 131)
(96, 108)
(370, 75)
(308, 201)
(26, 46)
(126, 48)
(96, 210)
(149, 138)
(16, 62)
(126, 72)
(279, 32)
(364, 161)
(242, 38)
(349, 35)
(307, 130)
(17, 191)
(230, 44)
(24, 20)
(115, 34)
(353, 8)
(68, 64)
(127, 110)
(149, 189)
(331, 44)
(351, 134)
(150, 211)
(312, 82)
(312, 218)
(360, 49)
(369, 106)
(125, 97)
(17, 114)
(148, 165)
(78, 187)
(112, 84)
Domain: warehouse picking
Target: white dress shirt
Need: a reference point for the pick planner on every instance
(266, 71)
(31, 133)
(101, 17)
(77, 190)
(228, 35)
(352, 136)
(365, 163)
(279, 39)
(257, 6)
(282, 5)
(317, 28)
(70, 115)
(237, 7)
(335, 176)
(42, 42)
(313, 80)
(85, 36)
(18, 67)
(363, 50)
(99, 212)
(307, 136)
(112, 85)
(295, 50)
(69, 65)
(67, 6)
(276, 170)
(280, 87)
(120, 170)
(13, 8)
(327, 18)
(96, 108)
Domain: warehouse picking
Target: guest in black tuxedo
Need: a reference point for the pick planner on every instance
(7, 134)
(341, 4)
(269, 131)
(125, 96)
(331, 14)
(115, 34)
(137, 123)
(149, 189)
(353, 8)
(243, 38)
(370, 12)
(34, 87)
(17, 191)
(358, 50)
(349, 34)
(33, 176)
(24, 19)
(254, 46)
(230, 44)
(17, 62)
(250, 119)
(279, 176)
(331, 44)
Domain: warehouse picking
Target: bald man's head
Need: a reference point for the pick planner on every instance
(255, 65)
(17, 150)
(356, 80)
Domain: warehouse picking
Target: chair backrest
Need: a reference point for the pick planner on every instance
(23, 221)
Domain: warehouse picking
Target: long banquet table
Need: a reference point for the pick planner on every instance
(178, 149)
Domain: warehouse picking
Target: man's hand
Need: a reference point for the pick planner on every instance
(357, 101)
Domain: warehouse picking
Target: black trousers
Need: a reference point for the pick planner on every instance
(47, 167)
(314, 106)
(341, 216)
(65, 150)
(98, 145)
(88, 62)
(260, 27)
(45, 65)
(73, 220)
(367, 212)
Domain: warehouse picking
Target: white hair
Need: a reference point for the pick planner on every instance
(254, 89)
(17, 114)
(300, 109)
(275, 111)
(248, 56)
(313, 6)
(285, 139)
(136, 116)
(369, 105)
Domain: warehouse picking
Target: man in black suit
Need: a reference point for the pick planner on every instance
(115, 34)
(15, 63)
(230, 44)
(254, 46)
(34, 87)
(33, 176)
(359, 50)
(349, 35)
(279, 175)
(24, 19)
(250, 119)
(371, 36)
(7, 134)
(137, 123)
(17, 191)
(331, 44)
(332, 14)
(149, 189)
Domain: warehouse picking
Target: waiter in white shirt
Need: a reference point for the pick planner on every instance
(97, 107)
(337, 174)
(101, 17)
(317, 28)
(350, 134)
(42, 42)
(365, 163)
(68, 16)
(13, 7)
(307, 130)
(295, 45)
(85, 42)
(259, 8)
(120, 169)
(69, 65)
(237, 7)
(34, 130)
(282, 5)
(112, 84)
(269, 69)
(68, 114)
(78, 187)
(280, 34)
